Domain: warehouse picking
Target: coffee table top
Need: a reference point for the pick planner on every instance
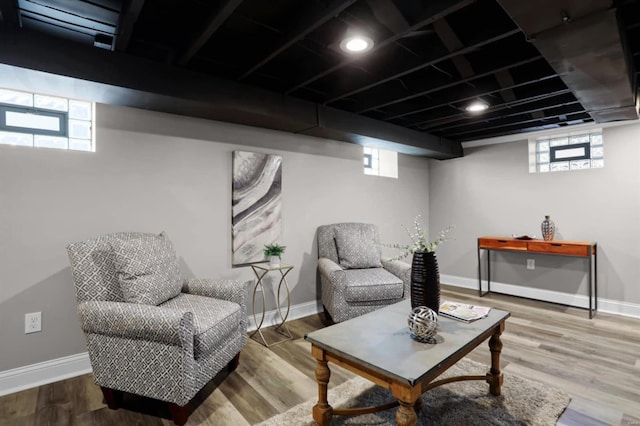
(381, 341)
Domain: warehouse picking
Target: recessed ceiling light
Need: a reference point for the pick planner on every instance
(356, 44)
(477, 106)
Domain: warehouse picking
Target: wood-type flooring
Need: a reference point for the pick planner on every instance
(596, 361)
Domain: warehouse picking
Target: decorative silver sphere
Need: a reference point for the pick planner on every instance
(423, 323)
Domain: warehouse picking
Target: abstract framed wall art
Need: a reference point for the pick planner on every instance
(256, 205)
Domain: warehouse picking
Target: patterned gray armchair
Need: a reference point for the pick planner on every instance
(353, 276)
(149, 331)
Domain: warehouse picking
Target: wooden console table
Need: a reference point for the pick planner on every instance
(588, 249)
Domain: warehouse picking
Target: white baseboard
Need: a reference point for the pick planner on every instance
(54, 370)
(578, 300)
(42, 373)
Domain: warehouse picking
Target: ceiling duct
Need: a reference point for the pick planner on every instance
(582, 42)
(31, 61)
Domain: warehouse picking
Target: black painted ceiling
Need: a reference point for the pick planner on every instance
(430, 59)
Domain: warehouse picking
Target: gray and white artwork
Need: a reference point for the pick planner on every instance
(257, 206)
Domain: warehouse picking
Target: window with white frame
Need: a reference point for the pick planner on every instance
(31, 119)
(567, 152)
(380, 162)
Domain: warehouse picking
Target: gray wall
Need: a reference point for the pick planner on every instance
(490, 192)
(155, 172)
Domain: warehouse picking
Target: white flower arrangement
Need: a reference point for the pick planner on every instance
(419, 241)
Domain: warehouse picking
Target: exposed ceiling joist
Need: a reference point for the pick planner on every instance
(387, 13)
(453, 43)
(446, 100)
(214, 22)
(424, 65)
(551, 119)
(313, 18)
(126, 22)
(505, 80)
(491, 113)
(446, 86)
(438, 9)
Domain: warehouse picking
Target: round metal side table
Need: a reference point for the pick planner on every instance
(261, 270)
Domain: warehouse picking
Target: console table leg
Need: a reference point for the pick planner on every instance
(479, 272)
(488, 271)
(322, 411)
(595, 276)
(494, 377)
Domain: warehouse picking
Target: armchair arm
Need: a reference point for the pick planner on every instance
(136, 321)
(327, 267)
(231, 290)
(334, 274)
(401, 270)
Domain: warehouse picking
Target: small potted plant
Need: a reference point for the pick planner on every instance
(274, 252)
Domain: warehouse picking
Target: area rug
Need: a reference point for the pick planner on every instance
(523, 402)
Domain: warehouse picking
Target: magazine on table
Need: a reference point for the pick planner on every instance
(463, 311)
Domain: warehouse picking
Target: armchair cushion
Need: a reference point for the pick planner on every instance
(364, 285)
(147, 269)
(357, 248)
(214, 319)
(130, 321)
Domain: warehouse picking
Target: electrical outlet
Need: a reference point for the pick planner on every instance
(32, 322)
(531, 264)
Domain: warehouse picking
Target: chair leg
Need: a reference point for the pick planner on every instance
(111, 397)
(179, 413)
(233, 364)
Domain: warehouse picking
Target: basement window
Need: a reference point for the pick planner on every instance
(380, 162)
(34, 120)
(567, 152)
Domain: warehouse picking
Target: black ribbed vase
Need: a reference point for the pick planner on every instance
(425, 281)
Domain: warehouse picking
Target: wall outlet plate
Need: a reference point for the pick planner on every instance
(531, 264)
(32, 322)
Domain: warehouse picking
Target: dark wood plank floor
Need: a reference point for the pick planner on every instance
(596, 361)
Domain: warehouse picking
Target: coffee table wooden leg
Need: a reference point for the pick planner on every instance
(418, 405)
(322, 411)
(407, 397)
(406, 415)
(494, 377)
